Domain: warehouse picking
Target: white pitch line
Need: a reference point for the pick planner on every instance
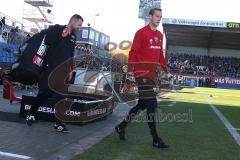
(13, 155)
(237, 129)
(172, 104)
(227, 124)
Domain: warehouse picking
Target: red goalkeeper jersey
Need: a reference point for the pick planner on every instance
(146, 53)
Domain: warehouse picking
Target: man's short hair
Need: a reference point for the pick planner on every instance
(151, 12)
(76, 17)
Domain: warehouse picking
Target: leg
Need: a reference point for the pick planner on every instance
(39, 100)
(120, 129)
(151, 111)
(132, 113)
(59, 125)
(57, 98)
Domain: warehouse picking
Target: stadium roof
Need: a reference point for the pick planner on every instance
(200, 33)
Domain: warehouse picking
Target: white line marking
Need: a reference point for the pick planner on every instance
(172, 104)
(237, 129)
(227, 124)
(14, 155)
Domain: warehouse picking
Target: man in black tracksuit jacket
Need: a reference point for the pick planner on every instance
(60, 41)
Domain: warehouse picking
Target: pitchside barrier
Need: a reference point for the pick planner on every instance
(217, 82)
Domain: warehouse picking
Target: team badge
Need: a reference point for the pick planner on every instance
(151, 41)
(156, 39)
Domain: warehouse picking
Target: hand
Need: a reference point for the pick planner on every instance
(66, 32)
(167, 71)
(130, 77)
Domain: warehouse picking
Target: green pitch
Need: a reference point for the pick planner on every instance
(187, 123)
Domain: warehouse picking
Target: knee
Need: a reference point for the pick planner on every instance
(152, 105)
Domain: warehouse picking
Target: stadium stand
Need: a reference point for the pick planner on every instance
(10, 30)
(184, 63)
(203, 53)
(8, 54)
(10, 39)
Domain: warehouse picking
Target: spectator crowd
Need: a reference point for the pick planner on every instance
(204, 65)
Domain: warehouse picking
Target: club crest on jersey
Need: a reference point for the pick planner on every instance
(151, 41)
(156, 39)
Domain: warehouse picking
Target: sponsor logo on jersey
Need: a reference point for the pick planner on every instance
(155, 47)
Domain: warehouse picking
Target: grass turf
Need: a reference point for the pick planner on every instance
(199, 135)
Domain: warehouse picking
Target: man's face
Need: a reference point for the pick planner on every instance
(76, 25)
(156, 18)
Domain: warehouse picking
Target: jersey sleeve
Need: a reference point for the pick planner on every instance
(135, 49)
(162, 59)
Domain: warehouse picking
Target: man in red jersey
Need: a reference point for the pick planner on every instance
(145, 56)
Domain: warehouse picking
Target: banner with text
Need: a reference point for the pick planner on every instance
(189, 22)
(146, 5)
(233, 25)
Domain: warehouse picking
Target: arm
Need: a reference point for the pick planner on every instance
(54, 34)
(135, 49)
(163, 62)
(162, 59)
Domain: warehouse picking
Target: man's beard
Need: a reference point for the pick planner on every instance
(74, 30)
